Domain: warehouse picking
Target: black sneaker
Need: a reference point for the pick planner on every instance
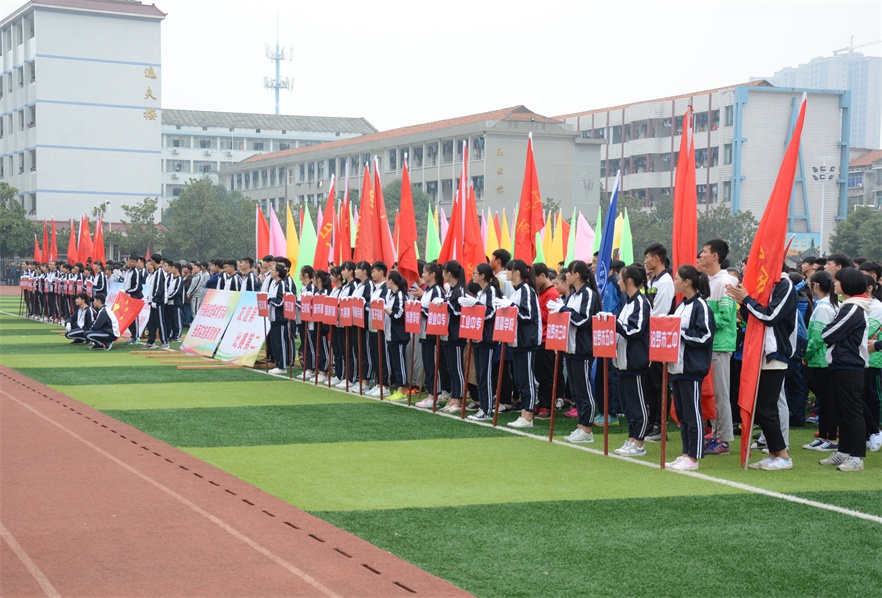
(654, 434)
(542, 413)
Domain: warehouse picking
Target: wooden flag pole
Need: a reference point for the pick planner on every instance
(605, 364)
(664, 414)
(265, 360)
(437, 378)
(291, 350)
(330, 354)
(465, 384)
(380, 359)
(318, 330)
(413, 342)
(360, 357)
(499, 384)
(554, 395)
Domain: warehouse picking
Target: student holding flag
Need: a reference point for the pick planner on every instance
(105, 328)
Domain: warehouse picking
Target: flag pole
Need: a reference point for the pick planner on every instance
(360, 357)
(291, 350)
(499, 384)
(436, 378)
(318, 339)
(465, 390)
(330, 353)
(664, 414)
(380, 359)
(413, 342)
(605, 365)
(554, 395)
(347, 360)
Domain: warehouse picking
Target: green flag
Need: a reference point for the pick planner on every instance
(540, 253)
(308, 241)
(598, 232)
(433, 242)
(571, 240)
(626, 251)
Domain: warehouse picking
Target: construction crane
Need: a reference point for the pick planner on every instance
(851, 47)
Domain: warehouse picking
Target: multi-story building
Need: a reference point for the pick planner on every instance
(568, 166)
(741, 132)
(197, 143)
(849, 70)
(865, 180)
(80, 100)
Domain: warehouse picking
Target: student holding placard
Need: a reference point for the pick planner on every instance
(434, 281)
(338, 334)
(396, 335)
(364, 287)
(377, 339)
(697, 327)
(279, 330)
(490, 290)
(453, 345)
(318, 330)
(307, 350)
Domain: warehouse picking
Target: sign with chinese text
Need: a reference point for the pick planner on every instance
(263, 305)
(306, 308)
(346, 311)
(290, 305)
(604, 336)
(438, 319)
(471, 322)
(358, 311)
(664, 339)
(210, 322)
(378, 315)
(245, 333)
(412, 317)
(557, 331)
(506, 325)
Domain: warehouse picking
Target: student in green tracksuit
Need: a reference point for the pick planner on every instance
(724, 309)
(873, 373)
(819, 377)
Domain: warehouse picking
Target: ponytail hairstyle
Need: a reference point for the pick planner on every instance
(454, 269)
(336, 271)
(486, 271)
(875, 291)
(435, 271)
(282, 271)
(698, 280)
(322, 277)
(348, 265)
(824, 281)
(583, 271)
(526, 272)
(399, 280)
(636, 272)
(308, 272)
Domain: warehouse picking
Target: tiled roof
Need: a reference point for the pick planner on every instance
(271, 122)
(759, 83)
(867, 159)
(111, 6)
(515, 113)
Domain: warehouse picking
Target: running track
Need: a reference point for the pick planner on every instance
(92, 507)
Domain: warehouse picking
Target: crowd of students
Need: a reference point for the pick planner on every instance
(821, 334)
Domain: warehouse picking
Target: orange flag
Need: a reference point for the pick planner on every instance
(407, 231)
(45, 253)
(98, 245)
(53, 249)
(364, 235)
(72, 246)
(473, 248)
(451, 249)
(84, 246)
(261, 233)
(37, 254)
(762, 272)
(530, 220)
(325, 240)
(685, 234)
(384, 247)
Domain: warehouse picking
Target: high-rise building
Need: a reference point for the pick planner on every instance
(849, 70)
(80, 100)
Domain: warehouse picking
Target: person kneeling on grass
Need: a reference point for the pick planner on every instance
(81, 321)
(105, 328)
(697, 328)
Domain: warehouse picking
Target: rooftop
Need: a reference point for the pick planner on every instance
(126, 7)
(271, 122)
(867, 159)
(515, 113)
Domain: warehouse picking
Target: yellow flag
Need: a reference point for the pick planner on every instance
(505, 241)
(556, 255)
(617, 234)
(293, 243)
(492, 242)
(547, 237)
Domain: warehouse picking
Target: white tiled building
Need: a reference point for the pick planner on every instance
(80, 102)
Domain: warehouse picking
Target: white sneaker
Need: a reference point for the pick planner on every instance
(671, 464)
(685, 464)
(580, 435)
(375, 391)
(521, 423)
(448, 408)
(836, 458)
(636, 451)
(875, 442)
(813, 445)
(480, 416)
(335, 381)
(623, 450)
(277, 371)
(341, 384)
(444, 396)
(310, 374)
(776, 464)
(426, 403)
(852, 464)
(322, 378)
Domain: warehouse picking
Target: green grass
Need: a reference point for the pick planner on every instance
(734, 545)
(96, 374)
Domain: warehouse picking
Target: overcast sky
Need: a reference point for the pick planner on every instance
(398, 63)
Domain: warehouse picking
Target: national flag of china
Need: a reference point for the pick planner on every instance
(126, 309)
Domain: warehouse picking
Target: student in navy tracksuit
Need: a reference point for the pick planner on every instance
(396, 336)
(632, 359)
(279, 330)
(847, 354)
(453, 346)
(433, 278)
(174, 301)
(377, 338)
(582, 303)
(105, 328)
(307, 350)
(528, 339)
(133, 288)
(483, 349)
(697, 327)
(81, 321)
(347, 363)
(156, 324)
(338, 335)
(364, 288)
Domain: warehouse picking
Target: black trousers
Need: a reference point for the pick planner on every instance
(821, 380)
(100, 338)
(280, 343)
(687, 404)
(872, 399)
(397, 363)
(766, 413)
(427, 349)
(484, 376)
(365, 366)
(654, 392)
(579, 379)
(633, 392)
(377, 343)
(156, 325)
(454, 352)
(172, 317)
(524, 367)
(338, 349)
(848, 386)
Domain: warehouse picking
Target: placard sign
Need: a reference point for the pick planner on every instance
(346, 311)
(263, 305)
(558, 331)
(438, 319)
(412, 317)
(290, 306)
(604, 335)
(664, 339)
(331, 304)
(88, 287)
(306, 308)
(471, 322)
(208, 326)
(318, 309)
(358, 311)
(506, 325)
(378, 315)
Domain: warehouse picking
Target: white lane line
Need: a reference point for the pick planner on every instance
(220, 523)
(31, 566)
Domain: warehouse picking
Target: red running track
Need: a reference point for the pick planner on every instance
(92, 507)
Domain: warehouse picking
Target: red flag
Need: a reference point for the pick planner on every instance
(396, 232)
(53, 249)
(473, 247)
(565, 226)
(382, 234)
(345, 225)
(407, 239)
(530, 220)
(84, 246)
(261, 233)
(364, 235)
(37, 253)
(498, 227)
(147, 255)
(72, 246)
(451, 249)
(762, 272)
(685, 237)
(98, 246)
(45, 253)
(324, 239)
(126, 309)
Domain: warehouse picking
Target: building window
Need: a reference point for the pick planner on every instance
(879, 177)
(284, 146)
(727, 191)
(727, 153)
(730, 115)
(257, 146)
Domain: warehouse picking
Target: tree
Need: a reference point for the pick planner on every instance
(421, 201)
(16, 231)
(738, 230)
(859, 234)
(141, 230)
(206, 222)
(648, 226)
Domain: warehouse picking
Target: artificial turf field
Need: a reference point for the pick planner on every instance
(494, 512)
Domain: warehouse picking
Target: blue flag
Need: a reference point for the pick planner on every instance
(604, 254)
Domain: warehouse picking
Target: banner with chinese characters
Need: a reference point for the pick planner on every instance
(438, 320)
(114, 288)
(378, 315)
(506, 324)
(412, 317)
(471, 322)
(346, 311)
(604, 336)
(664, 339)
(358, 311)
(558, 331)
(290, 305)
(210, 322)
(245, 333)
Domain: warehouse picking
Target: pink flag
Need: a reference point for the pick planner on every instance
(442, 223)
(483, 230)
(278, 243)
(584, 240)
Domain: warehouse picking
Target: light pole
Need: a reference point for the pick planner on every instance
(823, 175)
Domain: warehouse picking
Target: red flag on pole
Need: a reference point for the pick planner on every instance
(473, 247)
(762, 272)
(382, 234)
(364, 237)
(345, 234)
(685, 237)
(84, 246)
(147, 255)
(261, 233)
(37, 253)
(324, 238)
(451, 249)
(530, 220)
(407, 231)
(45, 253)
(98, 245)
(53, 248)
(72, 246)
